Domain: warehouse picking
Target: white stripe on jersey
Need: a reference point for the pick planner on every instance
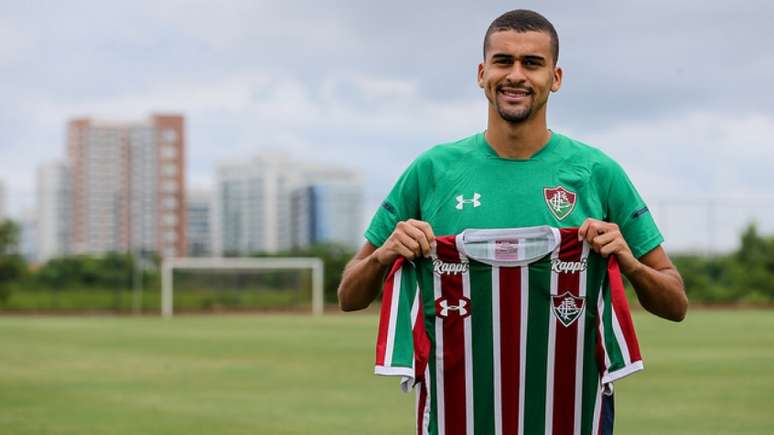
(414, 318)
(551, 355)
(601, 317)
(396, 287)
(441, 412)
(496, 358)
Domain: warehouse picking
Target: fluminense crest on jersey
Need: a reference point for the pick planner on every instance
(560, 266)
(560, 201)
(441, 267)
(475, 201)
(461, 305)
(567, 308)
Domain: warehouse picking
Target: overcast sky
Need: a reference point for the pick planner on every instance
(680, 93)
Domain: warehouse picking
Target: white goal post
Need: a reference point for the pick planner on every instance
(168, 266)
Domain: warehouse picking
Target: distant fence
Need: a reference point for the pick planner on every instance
(710, 224)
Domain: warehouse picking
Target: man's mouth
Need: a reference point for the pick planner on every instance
(514, 94)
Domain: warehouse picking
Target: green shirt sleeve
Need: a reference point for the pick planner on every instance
(402, 203)
(626, 208)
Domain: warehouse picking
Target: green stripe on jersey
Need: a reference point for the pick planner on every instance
(403, 351)
(537, 347)
(483, 386)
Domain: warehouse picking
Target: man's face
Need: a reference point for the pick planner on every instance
(518, 74)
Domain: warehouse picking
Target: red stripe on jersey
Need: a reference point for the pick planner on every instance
(421, 403)
(566, 341)
(453, 341)
(621, 308)
(510, 346)
(421, 342)
(384, 315)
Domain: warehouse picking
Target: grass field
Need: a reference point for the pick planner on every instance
(294, 374)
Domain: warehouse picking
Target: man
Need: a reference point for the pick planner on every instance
(518, 73)
(517, 174)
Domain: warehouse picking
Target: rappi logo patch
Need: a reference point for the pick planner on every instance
(441, 267)
(444, 307)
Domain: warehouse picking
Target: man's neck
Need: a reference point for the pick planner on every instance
(517, 141)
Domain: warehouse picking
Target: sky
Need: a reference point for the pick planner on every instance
(680, 93)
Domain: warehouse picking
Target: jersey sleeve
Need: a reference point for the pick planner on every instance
(620, 351)
(402, 203)
(402, 345)
(626, 208)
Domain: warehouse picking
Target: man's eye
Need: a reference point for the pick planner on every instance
(532, 63)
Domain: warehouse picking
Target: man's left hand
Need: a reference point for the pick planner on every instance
(605, 238)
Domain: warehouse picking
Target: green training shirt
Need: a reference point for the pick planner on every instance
(465, 184)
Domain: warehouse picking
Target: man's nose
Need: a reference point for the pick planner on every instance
(516, 74)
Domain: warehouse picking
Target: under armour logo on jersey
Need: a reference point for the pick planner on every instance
(461, 201)
(443, 307)
(567, 308)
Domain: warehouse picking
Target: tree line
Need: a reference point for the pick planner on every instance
(744, 276)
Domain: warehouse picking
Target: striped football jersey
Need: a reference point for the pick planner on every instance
(507, 331)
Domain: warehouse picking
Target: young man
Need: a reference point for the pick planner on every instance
(514, 170)
(516, 174)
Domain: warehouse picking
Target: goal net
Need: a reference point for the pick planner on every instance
(241, 283)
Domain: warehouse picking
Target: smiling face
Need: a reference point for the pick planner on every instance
(518, 74)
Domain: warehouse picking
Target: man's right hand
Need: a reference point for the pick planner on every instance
(363, 275)
(411, 239)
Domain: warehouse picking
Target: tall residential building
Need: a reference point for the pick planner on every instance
(128, 185)
(199, 232)
(54, 202)
(273, 203)
(252, 205)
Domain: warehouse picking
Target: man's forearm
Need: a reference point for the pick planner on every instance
(660, 291)
(360, 283)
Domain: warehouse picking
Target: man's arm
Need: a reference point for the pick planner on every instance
(657, 282)
(363, 275)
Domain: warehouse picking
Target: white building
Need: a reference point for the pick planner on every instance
(53, 210)
(329, 209)
(28, 240)
(127, 185)
(252, 205)
(199, 232)
(272, 203)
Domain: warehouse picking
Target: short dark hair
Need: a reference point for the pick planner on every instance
(524, 20)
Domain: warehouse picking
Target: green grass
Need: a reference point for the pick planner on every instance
(294, 374)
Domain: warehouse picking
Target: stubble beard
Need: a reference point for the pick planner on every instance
(514, 116)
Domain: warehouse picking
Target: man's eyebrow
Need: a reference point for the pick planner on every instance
(532, 57)
(502, 56)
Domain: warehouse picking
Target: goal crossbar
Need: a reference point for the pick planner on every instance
(168, 266)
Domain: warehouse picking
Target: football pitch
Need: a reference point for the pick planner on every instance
(295, 374)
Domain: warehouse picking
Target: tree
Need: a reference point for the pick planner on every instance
(11, 263)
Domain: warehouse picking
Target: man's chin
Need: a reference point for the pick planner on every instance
(514, 117)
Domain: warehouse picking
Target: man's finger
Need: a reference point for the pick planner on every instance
(605, 238)
(405, 252)
(417, 234)
(583, 228)
(408, 241)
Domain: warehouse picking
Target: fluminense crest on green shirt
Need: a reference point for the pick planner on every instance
(560, 201)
